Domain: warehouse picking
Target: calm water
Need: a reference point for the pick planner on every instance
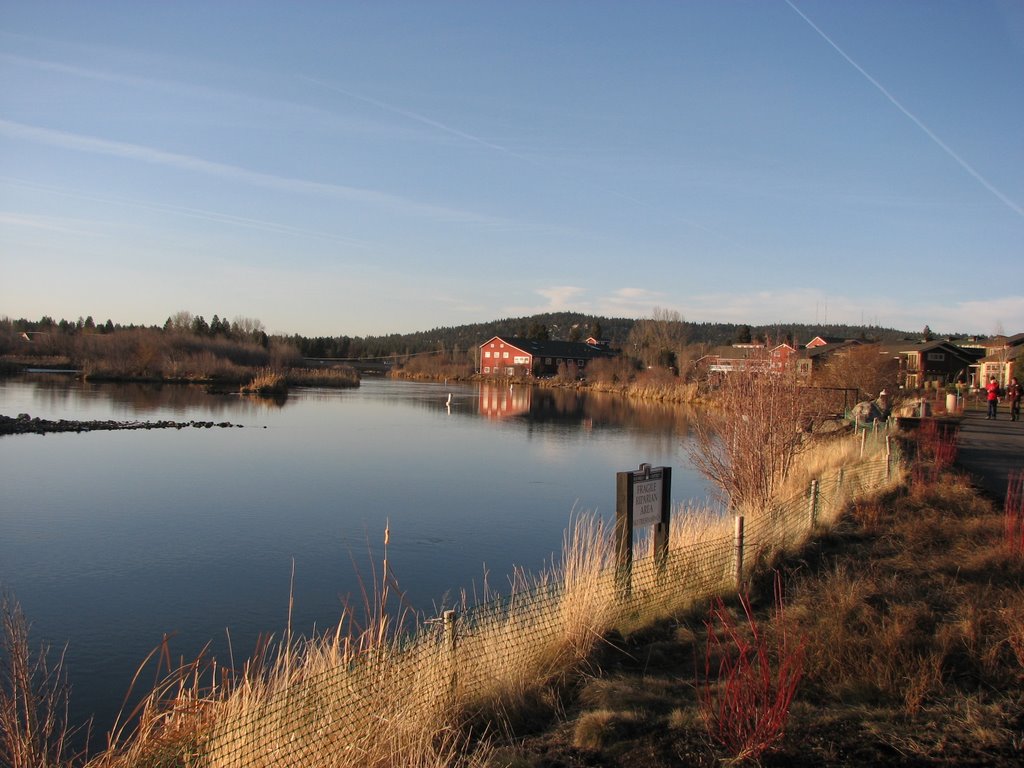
(109, 540)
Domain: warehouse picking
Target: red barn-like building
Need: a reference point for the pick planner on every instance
(504, 356)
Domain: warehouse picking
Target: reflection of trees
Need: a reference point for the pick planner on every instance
(57, 391)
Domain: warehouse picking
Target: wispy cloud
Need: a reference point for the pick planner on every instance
(817, 307)
(1013, 206)
(47, 223)
(630, 302)
(129, 151)
(195, 213)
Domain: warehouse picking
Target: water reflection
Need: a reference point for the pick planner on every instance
(588, 409)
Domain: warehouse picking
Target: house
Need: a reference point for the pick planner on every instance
(737, 357)
(781, 357)
(821, 341)
(933, 363)
(512, 356)
(818, 351)
(999, 360)
(748, 357)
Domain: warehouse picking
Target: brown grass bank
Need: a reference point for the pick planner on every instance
(912, 612)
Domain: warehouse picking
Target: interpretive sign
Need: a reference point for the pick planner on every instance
(643, 499)
(647, 500)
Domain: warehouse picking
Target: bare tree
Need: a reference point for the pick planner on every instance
(862, 366)
(746, 440)
(657, 342)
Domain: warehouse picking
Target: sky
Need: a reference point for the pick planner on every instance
(363, 168)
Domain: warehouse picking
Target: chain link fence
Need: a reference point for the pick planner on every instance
(346, 701)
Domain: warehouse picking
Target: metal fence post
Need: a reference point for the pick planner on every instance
(813, 505)
(738, 553)
(450, 644)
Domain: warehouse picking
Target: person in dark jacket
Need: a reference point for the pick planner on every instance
(1013, 392)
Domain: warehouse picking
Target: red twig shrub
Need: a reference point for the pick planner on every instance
(746, 708)
(936, 451)
(1013, 509)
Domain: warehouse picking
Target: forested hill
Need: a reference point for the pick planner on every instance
(572, 326)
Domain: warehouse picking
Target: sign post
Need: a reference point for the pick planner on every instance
(643, 498)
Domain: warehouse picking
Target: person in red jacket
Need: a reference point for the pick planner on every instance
(1014, 392)
(993, 397)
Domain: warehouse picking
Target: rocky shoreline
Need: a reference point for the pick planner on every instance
(24, 424)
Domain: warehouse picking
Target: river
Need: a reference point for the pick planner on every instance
(110, 540)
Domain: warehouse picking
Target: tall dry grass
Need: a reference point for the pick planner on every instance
(34, 727)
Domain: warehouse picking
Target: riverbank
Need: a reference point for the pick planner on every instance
(657, 387)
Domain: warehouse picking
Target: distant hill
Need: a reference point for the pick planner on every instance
(570, 325)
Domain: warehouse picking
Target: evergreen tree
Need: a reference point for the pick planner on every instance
(538, 331)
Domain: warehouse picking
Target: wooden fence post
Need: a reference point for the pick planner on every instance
(738, 553)
(813, 505)
(888, 457)
(863, 440)
(624, 534)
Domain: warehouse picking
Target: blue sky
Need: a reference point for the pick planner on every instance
(365, 168)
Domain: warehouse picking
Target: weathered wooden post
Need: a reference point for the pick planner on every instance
(662, 526)
(737, 557)
(863, 440)
(888, 457)
(624, 533)
(813, 503)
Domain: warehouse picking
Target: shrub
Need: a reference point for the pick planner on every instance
(746, 709)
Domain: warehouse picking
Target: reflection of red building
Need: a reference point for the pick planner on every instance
(497, 402)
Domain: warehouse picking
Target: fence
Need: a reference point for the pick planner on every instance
(344, 701)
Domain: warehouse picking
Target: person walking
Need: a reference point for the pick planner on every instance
(992, 388)
(1013, 392)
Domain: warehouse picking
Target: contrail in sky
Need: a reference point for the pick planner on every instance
(154, 156)
(418, 118)
(895, 102)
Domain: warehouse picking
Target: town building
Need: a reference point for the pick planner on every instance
(933, 363)
(999, 360)
(510, 356)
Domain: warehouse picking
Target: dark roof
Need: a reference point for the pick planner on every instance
(577, 350)
(968, 354)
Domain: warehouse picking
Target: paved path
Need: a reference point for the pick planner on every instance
(990, 450)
